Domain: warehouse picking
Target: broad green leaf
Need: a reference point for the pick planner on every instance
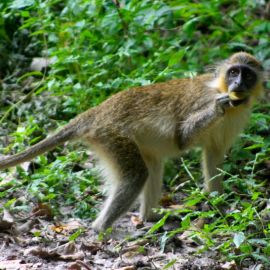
(22, 3)
(75, 235)
(159, 224)
(238, 239)
(176, 58)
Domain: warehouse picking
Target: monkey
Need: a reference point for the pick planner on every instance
(134, 131)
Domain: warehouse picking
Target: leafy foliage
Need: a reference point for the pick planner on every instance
(100, 47)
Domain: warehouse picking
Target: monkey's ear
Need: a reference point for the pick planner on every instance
(215, 69)
(211, 69)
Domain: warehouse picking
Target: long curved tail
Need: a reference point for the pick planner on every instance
(68, 132)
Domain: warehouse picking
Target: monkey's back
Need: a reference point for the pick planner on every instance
(149, 115)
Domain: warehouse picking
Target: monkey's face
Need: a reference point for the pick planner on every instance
(240, 79)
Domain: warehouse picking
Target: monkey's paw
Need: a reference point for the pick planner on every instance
(150, 216)
(99, 225)
(223, 102)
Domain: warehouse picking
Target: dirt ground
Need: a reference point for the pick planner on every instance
(38, 243)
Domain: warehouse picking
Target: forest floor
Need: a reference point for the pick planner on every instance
(38, 242)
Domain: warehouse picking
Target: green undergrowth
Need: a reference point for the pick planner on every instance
(98, 48)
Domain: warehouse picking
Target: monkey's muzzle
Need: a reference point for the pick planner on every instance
(237, 95)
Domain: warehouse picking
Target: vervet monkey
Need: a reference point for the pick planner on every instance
(134, 131)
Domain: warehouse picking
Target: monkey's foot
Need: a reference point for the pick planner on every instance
(100, 226)
(150, 216)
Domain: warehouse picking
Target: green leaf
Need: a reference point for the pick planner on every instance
(238, 239)
(185, 223)
(262, 258)
(37, 233)
(169, 264)
(159, 224)
(246, 248)
(163, 241)
(9, 203)
(255, 196)
(176, 58)
(193, 201)
(190, 25)
(75, 235)
(18, 4)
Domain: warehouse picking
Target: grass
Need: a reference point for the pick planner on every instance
(99, 48)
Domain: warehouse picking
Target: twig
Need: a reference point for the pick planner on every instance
(83, 264)
(124, 24)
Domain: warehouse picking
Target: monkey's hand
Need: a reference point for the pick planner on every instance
(222, 102)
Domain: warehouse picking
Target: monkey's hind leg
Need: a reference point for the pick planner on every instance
(152, 189)
(129, 167)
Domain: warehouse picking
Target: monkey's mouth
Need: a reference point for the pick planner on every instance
(238, 94)
(238, 102)
(239, 90)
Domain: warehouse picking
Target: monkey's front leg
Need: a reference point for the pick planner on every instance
(198, 123)
(214, 151)
(197, 128)
(212, 159)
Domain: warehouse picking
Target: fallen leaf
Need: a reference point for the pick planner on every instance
(133, 252)
(74, 266)
(26, 227)
(64, 252)
(60, 229)
(137, 222)
(17, 264)
(69, 248)
(229, 266)
(130, 248)
(93, 247)
(67, 228)
(140, 242)
(6, 221)
(4, 225)
(42, 210)
(72, 257)
(7, 216)
(6, 181)
(7, 264)
(25, 165)
(66, 248)
(130, 267)
(166, 200)
(41, 252)
(40, 63)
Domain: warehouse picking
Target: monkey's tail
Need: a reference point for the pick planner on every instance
(68, 132)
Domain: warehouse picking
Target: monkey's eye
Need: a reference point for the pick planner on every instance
(234, 72)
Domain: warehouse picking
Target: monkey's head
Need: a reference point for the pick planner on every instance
(241, 76)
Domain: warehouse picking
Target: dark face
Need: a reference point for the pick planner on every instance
(240, 78)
